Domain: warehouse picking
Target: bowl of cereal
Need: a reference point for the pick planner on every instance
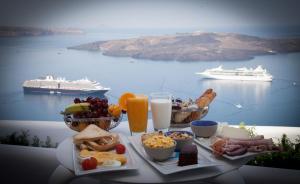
(182, 138)
(159, 147)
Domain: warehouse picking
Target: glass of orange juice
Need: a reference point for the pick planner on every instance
(137, 111)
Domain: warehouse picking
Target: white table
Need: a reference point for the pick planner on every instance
(147, 174)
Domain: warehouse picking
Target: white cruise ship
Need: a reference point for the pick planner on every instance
(244, 74)
(52, 85)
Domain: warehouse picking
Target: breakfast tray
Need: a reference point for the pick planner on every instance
(170, 166)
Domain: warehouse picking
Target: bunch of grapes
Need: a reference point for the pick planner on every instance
(98, 108)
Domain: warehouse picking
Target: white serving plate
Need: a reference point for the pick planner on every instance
(206, 142)
(130, 165)
(170, 166)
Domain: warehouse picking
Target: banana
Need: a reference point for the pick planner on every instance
(78, 107)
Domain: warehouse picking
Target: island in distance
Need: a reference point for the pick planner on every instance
(16, 31)
(195, 46)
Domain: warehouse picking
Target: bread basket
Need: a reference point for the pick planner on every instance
(183, 117)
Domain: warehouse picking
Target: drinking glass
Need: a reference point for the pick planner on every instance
(161, 107)
(137, 112)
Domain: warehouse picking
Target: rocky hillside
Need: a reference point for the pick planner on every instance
(194, 47)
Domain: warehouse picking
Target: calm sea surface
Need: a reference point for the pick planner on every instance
(263, 103)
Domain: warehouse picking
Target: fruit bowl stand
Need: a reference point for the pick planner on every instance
(78, 124)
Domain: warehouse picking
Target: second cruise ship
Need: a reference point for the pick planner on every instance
(243, 74)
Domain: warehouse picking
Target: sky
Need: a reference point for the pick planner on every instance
(150, 14)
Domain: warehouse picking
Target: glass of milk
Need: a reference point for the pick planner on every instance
(161, 107)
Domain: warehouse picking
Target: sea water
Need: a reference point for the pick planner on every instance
(261, 103)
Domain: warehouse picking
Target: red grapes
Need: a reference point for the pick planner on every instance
(98, 108)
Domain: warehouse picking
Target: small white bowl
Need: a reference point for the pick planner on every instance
(180, 143)
(160, 154)
(204, 128)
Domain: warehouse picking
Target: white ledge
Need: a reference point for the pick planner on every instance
(58, 131)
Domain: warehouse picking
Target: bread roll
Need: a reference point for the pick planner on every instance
(206, 98)
(203, 101)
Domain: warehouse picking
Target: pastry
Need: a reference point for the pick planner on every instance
(206, 98)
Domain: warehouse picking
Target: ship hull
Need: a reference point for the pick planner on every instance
(63, 91)
(240, 78)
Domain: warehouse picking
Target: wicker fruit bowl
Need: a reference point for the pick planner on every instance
(92, 110)
(78, 124)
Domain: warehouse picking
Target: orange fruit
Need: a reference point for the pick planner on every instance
(117, 111)
(111, 108)
(114, 110)
(123, 100)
